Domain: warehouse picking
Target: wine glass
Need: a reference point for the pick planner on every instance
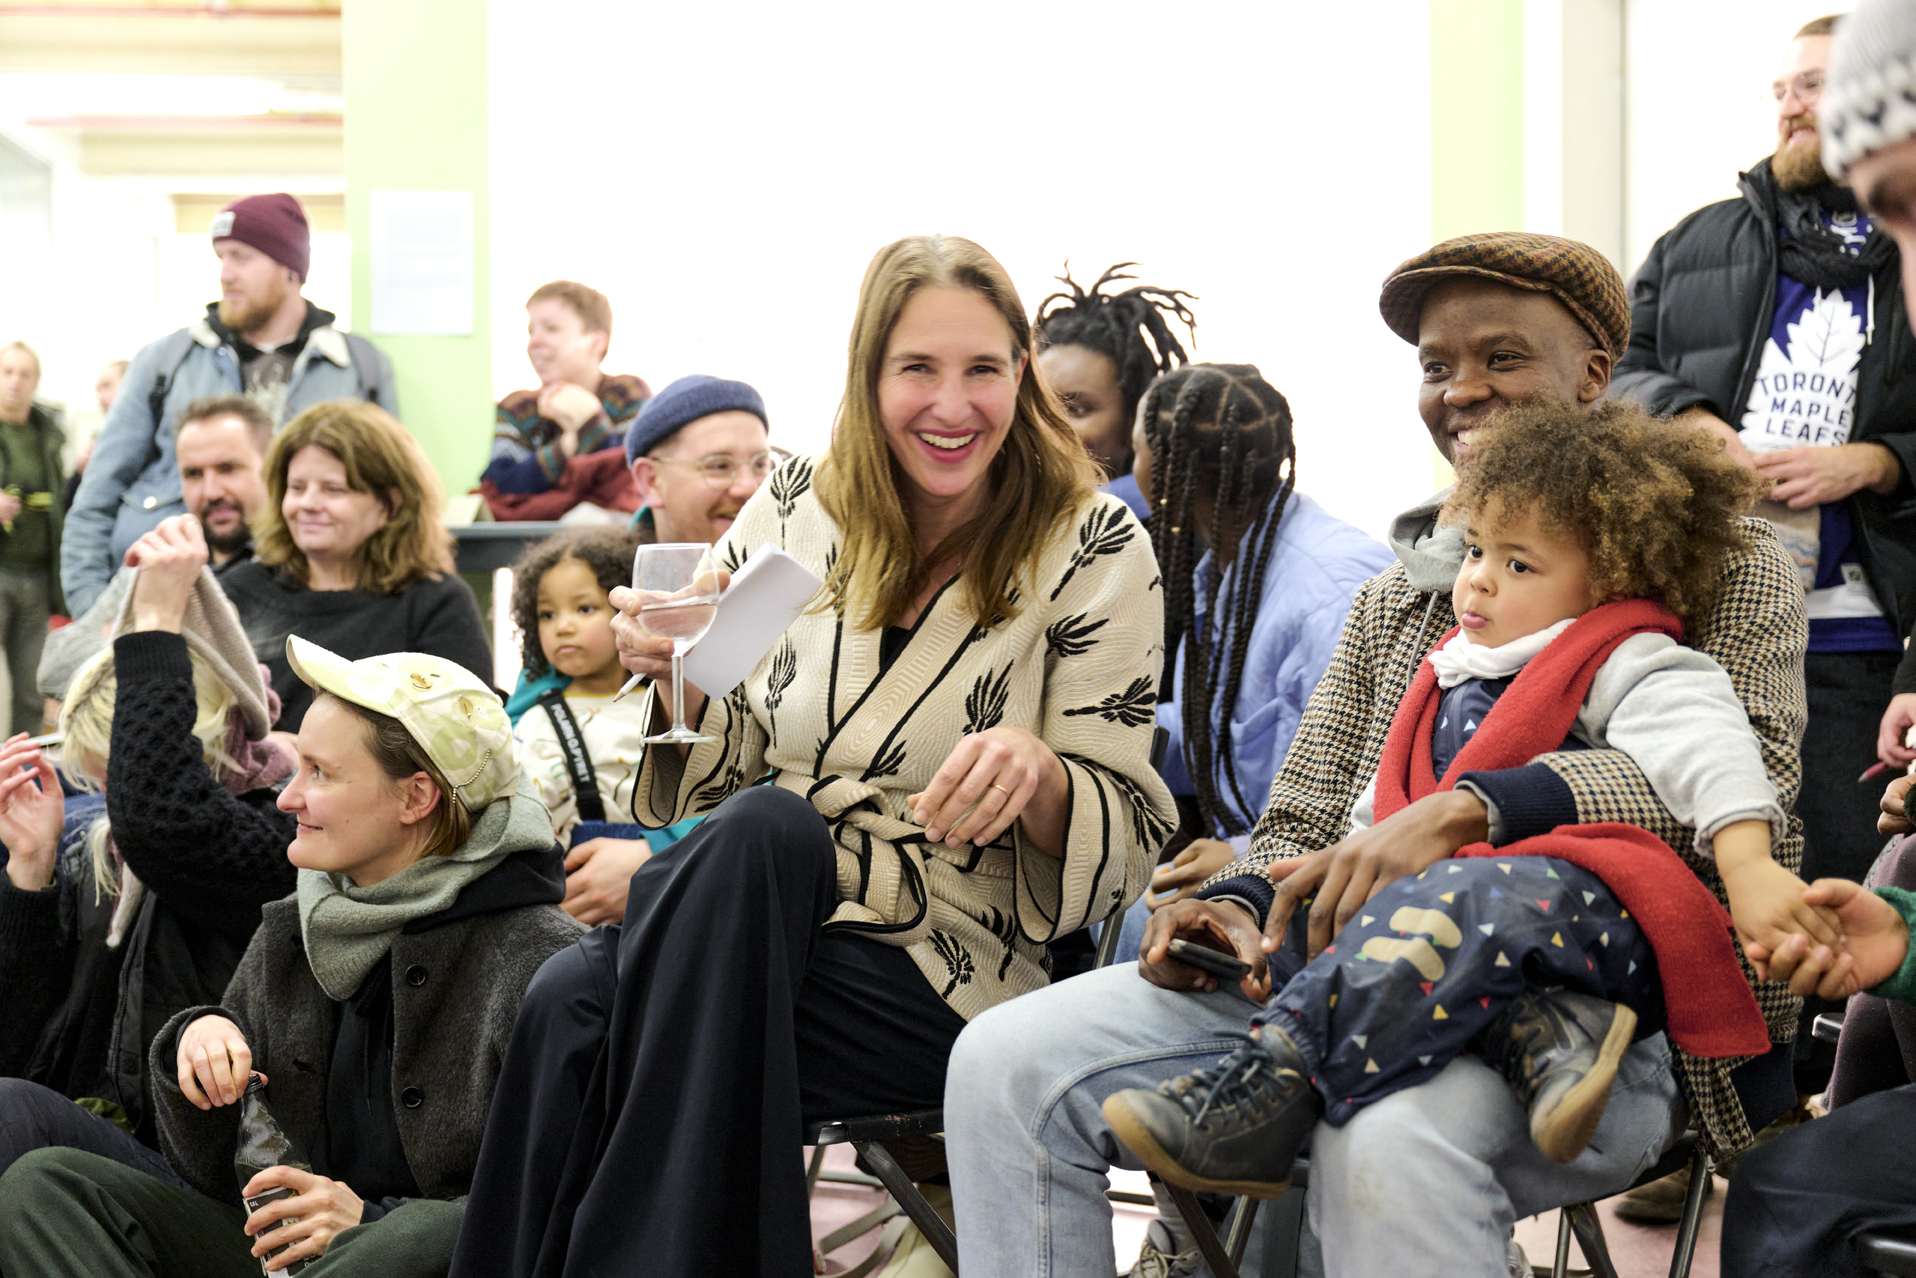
(678, 584)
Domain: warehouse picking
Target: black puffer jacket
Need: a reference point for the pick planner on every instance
(1701, 308)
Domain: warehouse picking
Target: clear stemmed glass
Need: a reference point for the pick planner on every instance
(677, 583)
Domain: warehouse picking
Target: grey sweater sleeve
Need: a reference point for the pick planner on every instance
(1674, 711)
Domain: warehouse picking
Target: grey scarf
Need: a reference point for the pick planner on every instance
(348, 929)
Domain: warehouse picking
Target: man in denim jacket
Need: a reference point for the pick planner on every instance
(261, 339)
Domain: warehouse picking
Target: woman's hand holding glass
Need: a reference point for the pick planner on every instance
(32, 813)
(670, 604)
(989, 780)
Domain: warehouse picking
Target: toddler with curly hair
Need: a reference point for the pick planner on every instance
(579, 745)
(1592, 538)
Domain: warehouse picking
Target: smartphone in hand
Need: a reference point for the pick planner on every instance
(1226, 967)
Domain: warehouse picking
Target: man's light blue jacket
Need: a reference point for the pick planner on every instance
(133, 481)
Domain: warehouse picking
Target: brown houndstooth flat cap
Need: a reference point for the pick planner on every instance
(1573, 273)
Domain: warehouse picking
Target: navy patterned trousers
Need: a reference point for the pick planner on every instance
(1430, 961)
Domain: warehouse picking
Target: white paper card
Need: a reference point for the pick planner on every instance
(766, 596)
(421, 246)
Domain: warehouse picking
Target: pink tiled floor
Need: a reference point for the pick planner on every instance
(835, 1205)
(1640, 1251)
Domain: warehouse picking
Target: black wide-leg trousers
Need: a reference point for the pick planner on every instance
(650, 1107)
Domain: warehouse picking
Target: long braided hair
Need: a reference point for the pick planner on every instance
(1219, 435)
(1130, 328)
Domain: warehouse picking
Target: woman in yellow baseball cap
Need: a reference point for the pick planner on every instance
(376, 1003)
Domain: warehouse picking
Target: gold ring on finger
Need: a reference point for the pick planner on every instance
(996, 786)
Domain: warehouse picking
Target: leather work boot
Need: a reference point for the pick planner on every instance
(1234, 1128)
(1559, 1052)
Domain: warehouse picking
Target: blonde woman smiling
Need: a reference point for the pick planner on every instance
(956, 742)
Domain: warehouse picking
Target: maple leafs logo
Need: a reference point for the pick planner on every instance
(1808, 384)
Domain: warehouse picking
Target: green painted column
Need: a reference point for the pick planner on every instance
(416, 102)
(1476, 116)
(1476, 122)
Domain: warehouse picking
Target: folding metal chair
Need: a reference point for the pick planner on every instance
(904, 1149)
(901, 1149)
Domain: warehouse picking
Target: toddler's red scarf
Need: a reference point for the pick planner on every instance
(1712, 1011)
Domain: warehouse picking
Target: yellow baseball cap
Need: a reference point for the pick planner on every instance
(456, 719)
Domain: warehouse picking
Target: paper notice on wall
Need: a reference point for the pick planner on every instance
(422, 263)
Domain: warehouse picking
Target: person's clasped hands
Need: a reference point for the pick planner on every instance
(1874, 940)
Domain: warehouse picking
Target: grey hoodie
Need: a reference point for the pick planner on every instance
(1671, 709)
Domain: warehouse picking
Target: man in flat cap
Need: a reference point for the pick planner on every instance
(1777, 321)
(262, 339)
(1431, 1179)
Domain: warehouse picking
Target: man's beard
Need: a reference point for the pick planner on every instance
(225, 543)
(1798, 166)
(242, 319)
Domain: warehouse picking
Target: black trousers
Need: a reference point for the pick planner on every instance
(1847, 692)
(1796, 1203)
(35, 1117)
(650, 1110)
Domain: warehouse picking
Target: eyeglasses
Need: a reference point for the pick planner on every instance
(1807, 87)
(720, 470)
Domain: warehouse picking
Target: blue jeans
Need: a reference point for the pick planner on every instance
(1428, 1180)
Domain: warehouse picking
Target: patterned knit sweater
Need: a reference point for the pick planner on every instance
(1078, 667)
(1757, 633)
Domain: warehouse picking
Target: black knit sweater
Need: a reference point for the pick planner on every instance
(209, 859)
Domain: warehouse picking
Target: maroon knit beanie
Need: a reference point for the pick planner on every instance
(273, 224)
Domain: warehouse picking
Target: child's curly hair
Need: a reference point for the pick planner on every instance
(1656, 506)
(606, 551)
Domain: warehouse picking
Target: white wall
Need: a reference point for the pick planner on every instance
(728, 184)
(1697, 102)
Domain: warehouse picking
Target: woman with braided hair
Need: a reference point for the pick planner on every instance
(1101, 351)
(1257, 580)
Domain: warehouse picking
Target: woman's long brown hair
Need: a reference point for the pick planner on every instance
(1041, 477)
(380, 458)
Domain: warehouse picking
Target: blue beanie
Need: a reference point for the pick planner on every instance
(681, 404)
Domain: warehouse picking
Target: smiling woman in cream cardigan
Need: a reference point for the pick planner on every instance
(956, 744)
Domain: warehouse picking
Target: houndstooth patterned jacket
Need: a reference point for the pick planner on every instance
(1757, 632)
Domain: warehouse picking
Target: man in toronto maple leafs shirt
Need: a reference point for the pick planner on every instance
(1777, 321)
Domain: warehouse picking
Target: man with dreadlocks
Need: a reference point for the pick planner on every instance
(1432, 1178)
(1100, 352)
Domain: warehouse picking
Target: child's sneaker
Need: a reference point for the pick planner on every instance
(1234, 1128)
(1160, 1258)
(1559, 1051)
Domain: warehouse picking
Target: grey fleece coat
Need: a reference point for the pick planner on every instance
(456, 993)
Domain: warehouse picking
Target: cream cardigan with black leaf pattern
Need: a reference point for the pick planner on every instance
(1078, 667)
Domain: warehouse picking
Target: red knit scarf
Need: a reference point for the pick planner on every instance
(1712, 1011)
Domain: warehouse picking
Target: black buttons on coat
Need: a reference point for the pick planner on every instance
(415, 975)
(412, 1098)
